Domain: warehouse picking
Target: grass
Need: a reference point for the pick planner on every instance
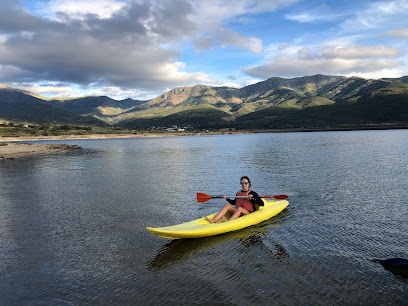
(28, 129)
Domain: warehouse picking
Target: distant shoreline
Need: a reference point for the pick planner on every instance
(178, 134)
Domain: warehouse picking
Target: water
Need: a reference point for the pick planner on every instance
(72, 224)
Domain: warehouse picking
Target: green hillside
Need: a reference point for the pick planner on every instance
(201, 116)
(42, 113)
(390, 109)
(311, 101)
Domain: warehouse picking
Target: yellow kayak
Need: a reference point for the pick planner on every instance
(202, 228)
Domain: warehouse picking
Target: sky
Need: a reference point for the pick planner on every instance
(141, 49)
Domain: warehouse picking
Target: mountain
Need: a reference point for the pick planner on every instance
(102, 108)
(12, 95)
(42, 113)
(24, 105)
(310, 101)
(317, 101)
(403, 79)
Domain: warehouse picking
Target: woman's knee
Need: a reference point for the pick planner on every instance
(243, 211)
(231, 209)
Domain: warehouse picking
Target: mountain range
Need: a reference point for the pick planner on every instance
(310, 101)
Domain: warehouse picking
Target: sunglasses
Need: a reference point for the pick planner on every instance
(244, 183)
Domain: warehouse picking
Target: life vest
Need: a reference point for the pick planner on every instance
(244, 203)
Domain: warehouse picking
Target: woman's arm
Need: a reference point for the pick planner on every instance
(231, 201)
(256, 199)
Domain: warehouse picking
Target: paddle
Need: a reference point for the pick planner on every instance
(202, 197)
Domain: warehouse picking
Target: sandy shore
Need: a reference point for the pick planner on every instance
(14, 147)
(111, 136)
(14, 150)
(67, 137)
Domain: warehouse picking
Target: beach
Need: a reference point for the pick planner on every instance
(14, 147)
(66, 137)
(11, 150)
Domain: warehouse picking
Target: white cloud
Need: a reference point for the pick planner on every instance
(329, 61)
(47, 89)
(79, 8)
(124, 44)
(123, 50)
(44, 89)
(72, 91)
(225, 37)
(403, 33)
(211, 16)
(340, 55)
(319, 14)
(383, 73)
(376, 15)
(119, 94)
(354, 52)
(218, 12)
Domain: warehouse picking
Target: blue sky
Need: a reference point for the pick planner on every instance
(141, 49)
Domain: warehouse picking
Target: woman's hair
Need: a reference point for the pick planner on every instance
(247, 178)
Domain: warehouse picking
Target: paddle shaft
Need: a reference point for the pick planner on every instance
(237, 197)
(202, 197)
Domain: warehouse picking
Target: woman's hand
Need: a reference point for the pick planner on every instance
(224, 197)
(250, 197)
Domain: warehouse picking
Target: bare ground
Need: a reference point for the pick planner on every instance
(10, 150)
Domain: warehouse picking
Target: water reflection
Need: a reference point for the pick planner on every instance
(179, 250)
(255, 240)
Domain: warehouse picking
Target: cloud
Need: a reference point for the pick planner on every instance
(355, 60)
(319, 14)
(341, 55)
(10, 73)
(129, 45)
(403, 33)
(354, 52)
(124, 49)
(61, 90)
(375, 15)
(79, 8)
(211, 16)
(119, 93)
(13, 18)
(224, 38)
(218, 12)
(55, 89)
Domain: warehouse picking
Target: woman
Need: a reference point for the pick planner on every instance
(243, 206)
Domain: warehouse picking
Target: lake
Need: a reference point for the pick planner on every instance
(72, 224)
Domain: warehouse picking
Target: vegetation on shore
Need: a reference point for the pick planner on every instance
(17, 129)
(13, 128)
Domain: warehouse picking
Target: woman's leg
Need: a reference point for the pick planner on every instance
(227, 208)
(238, 212)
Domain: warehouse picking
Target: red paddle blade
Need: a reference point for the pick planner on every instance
(202, 197)
(277, 197)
